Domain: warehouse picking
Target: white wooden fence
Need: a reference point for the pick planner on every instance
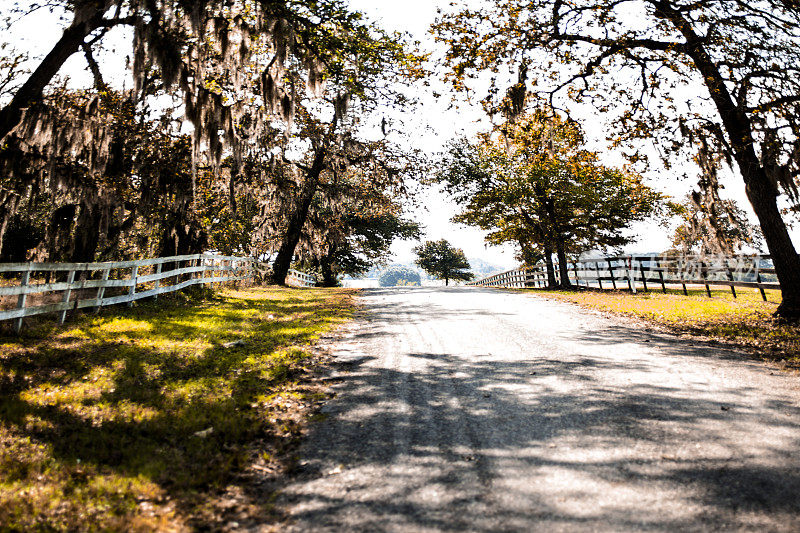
(63, 287)
(633, 272)
(300, 279)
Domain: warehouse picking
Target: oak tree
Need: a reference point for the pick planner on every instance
(641, 61)
(533, 183)
(441, 260)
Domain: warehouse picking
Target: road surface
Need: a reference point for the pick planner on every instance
(468, 409)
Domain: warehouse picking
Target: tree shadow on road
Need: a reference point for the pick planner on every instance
(563, 441)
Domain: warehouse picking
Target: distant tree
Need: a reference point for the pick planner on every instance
(441, 260)
(710, 224)
(720, 227)
(399, 275)
(639, 62)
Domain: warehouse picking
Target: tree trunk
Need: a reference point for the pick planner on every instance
(87, 234)
(181, 236)
(32, 89)
(326, 265)
(446, 281)
(552, 234)
(8, 208)
(59, 233)
(563, 267)
(761, 192)
(551, 271)
(283, 261)
(779, 243)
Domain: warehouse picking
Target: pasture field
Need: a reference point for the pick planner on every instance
(151, 418)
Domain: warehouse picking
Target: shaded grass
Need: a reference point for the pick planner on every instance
(134, 419)
(745, 321)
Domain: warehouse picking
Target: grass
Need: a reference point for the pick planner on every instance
(139, 419)
(745, 321)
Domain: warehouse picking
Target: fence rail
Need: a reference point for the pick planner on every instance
(98, 285)
(300, 279)
(647, 271)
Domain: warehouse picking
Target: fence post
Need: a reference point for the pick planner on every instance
(683, 282)
(661, 275)
(599, 276)
(611, 271)
(132, 290)
(65, 299)
(641, 271)
(26, 278)
(158, 281)
(101, 291)
(730, 276)
(629, 271)
(704, 274)
(760, 288)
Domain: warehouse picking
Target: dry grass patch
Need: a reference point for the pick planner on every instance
(141, 418)
(746, 321)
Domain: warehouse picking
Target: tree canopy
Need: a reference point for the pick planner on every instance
(639, 62)
(275, 91)
(532, 182)
(441, 260)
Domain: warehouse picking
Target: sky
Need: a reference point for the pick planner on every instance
(415, 17)
(428, 127)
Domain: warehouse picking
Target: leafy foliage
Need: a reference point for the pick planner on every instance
(533, 183)
(716, 227)
(439, 259)
(708, 222)
(275, 91)
(639, 62)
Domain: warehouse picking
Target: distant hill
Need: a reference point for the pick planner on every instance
(483, 269)
(480, 267)
(377, 272)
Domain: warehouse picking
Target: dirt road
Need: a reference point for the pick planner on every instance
(476, 410)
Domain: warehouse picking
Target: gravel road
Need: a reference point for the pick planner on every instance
(468, 409)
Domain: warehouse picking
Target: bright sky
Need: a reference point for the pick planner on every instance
(428, 127)
(415, 17)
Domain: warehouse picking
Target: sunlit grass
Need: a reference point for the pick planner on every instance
(745, 320)
(129, 420)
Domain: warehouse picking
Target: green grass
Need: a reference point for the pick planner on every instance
(136, 418)
(745, 321)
